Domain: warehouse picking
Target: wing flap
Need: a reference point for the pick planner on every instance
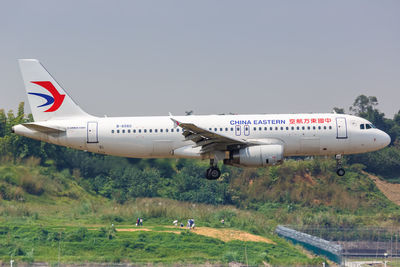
(207, 140)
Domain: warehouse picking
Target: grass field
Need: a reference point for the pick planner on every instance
(80, 244)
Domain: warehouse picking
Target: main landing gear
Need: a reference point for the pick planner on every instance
(213, 173)
(339, 170)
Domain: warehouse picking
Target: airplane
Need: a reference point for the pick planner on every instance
(258, 140)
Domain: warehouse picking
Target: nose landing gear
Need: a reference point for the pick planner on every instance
(213, 173)
(339, 170)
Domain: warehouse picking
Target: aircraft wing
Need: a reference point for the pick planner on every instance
(208, 141)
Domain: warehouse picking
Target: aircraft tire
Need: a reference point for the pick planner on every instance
(340, 172)
(213, 173)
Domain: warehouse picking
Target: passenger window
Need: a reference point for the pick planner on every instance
(324, 127)
(123, 131)
(367, 126)
(330, 127)
(166, 130)
(287, 128)
(276, 128)
(308, 128)
(270, 128)
(144, 130)
(150, 130)
(303, 128)
(226, 129)
(215, 129)
(112, 131)
(281, 128)
(140, 131)
(231, 129)
(172, 130)
(319, 127)
(129, 131)
(313, 127)
(265, 128)
(210, 129)
(161, 130)
(362, 126)
(260, 128)
(177, 130)
(298, 128)
(117, 131)
(292, 128)
(255, 128)
(155, 130)
(134, 131)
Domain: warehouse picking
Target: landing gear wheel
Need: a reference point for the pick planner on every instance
(340, 172)
(213, 173)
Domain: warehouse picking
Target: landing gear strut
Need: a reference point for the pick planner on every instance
(213, 173)
(339, 170)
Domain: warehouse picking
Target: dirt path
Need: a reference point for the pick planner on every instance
(391, 191)
(222, 234)
(132, 229)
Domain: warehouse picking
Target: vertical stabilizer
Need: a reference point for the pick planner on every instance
(47, 99)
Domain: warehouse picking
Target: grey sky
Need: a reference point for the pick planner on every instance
(127, 58)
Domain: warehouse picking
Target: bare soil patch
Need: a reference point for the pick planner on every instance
(229, 235)
(391, 191)
(132, 229)
(221, 234)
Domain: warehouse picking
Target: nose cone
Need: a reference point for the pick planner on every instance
(384, 139)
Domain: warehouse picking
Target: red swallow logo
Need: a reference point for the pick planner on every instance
(56, 99)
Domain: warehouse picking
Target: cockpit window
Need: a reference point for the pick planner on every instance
(367, 126)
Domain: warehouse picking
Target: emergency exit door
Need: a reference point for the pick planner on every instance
(92, 132)
(341, 128)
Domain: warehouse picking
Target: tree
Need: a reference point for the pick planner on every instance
(338, 110)
(363, 103)
(3, 122)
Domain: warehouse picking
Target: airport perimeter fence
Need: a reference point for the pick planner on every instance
(371, 242)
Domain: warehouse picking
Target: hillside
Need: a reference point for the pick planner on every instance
(390, 190)
(39, 204)
(44, 212)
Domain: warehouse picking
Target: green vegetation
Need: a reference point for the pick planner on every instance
(83, 245)
(45, 212)
(53, 198)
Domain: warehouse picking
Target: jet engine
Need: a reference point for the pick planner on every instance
(256, 156)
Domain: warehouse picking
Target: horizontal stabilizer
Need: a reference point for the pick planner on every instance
(44, 128)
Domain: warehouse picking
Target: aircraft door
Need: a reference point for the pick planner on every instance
(341, 128)
(92, 132)
(247, 130)
(238, 130)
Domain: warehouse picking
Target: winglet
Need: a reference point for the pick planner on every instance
(176, 123)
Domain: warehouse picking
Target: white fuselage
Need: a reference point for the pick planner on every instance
(160, 137)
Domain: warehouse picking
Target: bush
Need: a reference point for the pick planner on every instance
(31, 186)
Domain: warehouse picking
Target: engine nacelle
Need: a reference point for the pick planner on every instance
(256, 156)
